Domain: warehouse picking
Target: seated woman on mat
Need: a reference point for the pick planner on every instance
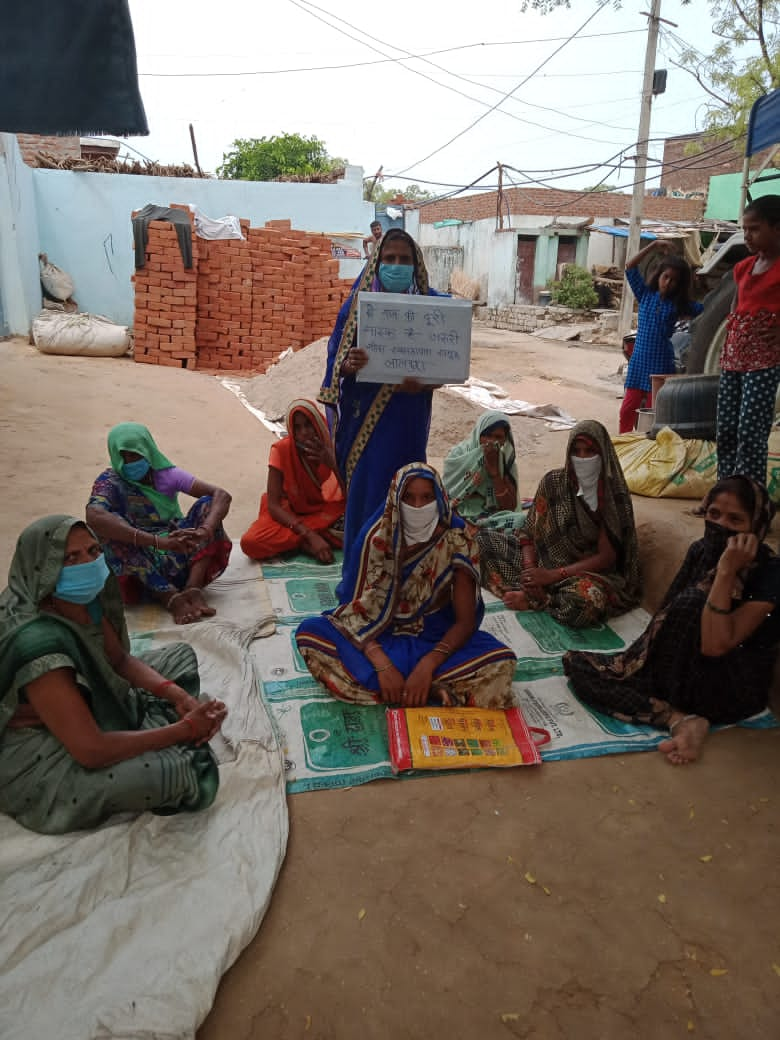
(577, 558)
(708, 655)
(134, 510)
(304, 501)
(407, 628)
(86, 729)
(480, 475)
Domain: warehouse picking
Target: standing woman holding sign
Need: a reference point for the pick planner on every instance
(377, 427)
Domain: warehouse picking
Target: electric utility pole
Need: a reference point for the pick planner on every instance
(637, 202)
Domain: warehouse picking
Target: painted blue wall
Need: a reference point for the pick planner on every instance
(84, 221)
(20, 287)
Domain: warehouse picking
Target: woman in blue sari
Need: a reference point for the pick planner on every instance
(406, 630)
(377, 427)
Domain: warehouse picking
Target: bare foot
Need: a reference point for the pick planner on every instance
(198, 604)
(688, 733)
(181, 609)
(516, 599)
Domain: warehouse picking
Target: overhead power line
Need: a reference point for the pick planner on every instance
(391, 60)
(327, 17)
(508, 94)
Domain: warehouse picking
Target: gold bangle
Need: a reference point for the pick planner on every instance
(383, 668)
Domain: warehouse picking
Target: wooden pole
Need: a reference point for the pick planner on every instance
(195, 151)
(638, 200)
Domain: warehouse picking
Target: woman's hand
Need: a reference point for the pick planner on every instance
(356, 359)
(740, 551)
(317, 547)
(204, 721)
(203, 534)
(418, 683)
(491, 452)
(180, 699)
(391, 685)
(182, 541)
(539, 576)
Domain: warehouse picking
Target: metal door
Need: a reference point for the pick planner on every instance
(524, 268)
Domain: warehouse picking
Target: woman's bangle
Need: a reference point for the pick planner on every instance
(442, 648)
(163, 686)
(191, 726)
(563, 573)
(155, 543)
(383, 668)
(716, 610)
(135, 537)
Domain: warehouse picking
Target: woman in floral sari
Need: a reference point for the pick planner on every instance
(148, 544)
(304, 502)
(577, 557)
(407, 628)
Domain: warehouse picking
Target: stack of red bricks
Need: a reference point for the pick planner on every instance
(245, 300)
(166, 301)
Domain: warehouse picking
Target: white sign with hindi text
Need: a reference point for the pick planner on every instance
(427, 338)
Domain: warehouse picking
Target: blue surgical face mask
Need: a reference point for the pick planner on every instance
(82, 582)
(135, 470)
(396, 277)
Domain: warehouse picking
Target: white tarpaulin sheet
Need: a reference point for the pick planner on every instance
(125, 932)
(491, 396)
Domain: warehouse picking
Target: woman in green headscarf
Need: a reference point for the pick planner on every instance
(480, 475)
(86, 729)
(148, 544)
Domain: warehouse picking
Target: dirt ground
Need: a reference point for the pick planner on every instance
(602, 898)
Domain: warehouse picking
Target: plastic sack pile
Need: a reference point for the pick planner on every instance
(671, 467)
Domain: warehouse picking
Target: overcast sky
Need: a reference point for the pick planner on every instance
(581, 106)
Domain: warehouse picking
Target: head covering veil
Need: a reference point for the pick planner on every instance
(377, 569)
(137, 438)
(32, 577)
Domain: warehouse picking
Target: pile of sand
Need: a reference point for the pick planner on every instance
(300, 374)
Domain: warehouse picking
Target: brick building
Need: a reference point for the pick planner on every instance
(59, 147)
(513, 259)
(686, 172)
(551, 203)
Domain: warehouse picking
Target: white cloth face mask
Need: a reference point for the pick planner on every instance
(588, 472)
(419, 522)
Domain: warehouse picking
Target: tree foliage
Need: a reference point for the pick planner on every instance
(411, 193)
(743, 66)
(284, 155)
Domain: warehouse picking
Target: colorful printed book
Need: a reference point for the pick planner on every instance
(461, 738)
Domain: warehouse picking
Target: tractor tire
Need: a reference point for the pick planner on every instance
(708, 331)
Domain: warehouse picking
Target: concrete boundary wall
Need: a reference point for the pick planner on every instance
(20, 288)
(84, 221)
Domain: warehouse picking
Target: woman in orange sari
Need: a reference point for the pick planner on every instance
(303, 505)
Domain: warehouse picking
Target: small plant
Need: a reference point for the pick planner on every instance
(575, 289)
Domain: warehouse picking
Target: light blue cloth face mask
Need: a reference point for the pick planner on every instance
(82, 582)
(396, 277)
(135, 470)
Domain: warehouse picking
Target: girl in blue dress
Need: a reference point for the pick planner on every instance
(663, 301)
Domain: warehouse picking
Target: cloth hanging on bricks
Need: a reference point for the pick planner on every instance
(178, 217)
(69, 69)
